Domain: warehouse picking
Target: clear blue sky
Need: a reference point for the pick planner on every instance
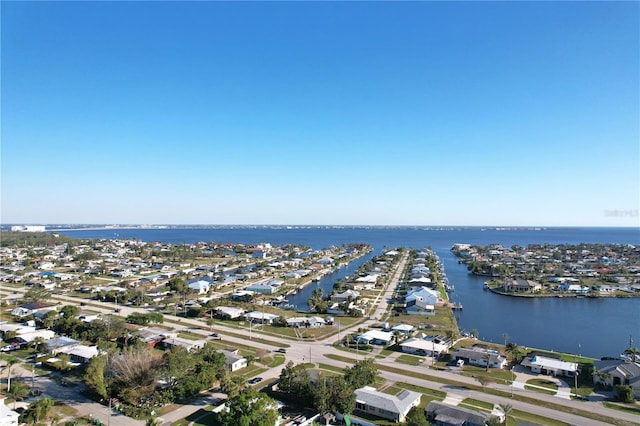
(415, 113)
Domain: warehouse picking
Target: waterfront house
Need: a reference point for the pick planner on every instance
(520, 285)
(391, 407)
(550, 366)
(262, 288)
(574, 288)
(344, 296)
(428, 346)
(618, 372)
(442, 414)
(480, 357)
(421, 301)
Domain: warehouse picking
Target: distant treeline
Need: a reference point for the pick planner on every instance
(32, 239)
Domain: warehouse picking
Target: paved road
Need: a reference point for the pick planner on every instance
(317, 351)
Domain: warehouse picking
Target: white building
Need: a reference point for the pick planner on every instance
(8, 417)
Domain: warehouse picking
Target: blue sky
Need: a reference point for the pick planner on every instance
(373, 113)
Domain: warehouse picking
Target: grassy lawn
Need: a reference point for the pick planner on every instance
(537, 389)
(475, 404)
(524, 417)
(544, 383)
(276, 361)
(330, 368)
(494, 375)
(409, 359)
(628, 408)
(434, 393)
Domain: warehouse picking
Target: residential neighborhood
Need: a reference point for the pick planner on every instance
(200, 325)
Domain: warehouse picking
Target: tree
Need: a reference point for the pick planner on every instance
(506, 410)
(624, 393)
(18, 391)
(232, 385)
(484, 380)
(362, 373)
(11, 361)
(135, 372)
(64, 361)
(416, 417)
(514, 350)
(39, 410)
(249, 408)
(294, 379)
(36, 294)
(633, 353)
(94, 376)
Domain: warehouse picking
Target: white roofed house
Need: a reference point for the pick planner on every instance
(421, 301)
(375, 337)
(260, 317)
(307, 322)
(391, 407)
(229, 312)
(550, 366)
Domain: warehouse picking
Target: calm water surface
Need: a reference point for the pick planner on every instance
(592, 327)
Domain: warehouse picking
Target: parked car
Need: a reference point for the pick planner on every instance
(255, 380)
(281, 350)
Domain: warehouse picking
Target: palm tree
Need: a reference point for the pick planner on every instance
(10, 362)
(633, 353)
(506, 409)
(513, 349)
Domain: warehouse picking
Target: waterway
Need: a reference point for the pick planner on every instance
(591, 327)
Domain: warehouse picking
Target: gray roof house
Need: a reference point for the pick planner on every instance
(392, 407)
(450, 415)
(480, 357)
(618, 372)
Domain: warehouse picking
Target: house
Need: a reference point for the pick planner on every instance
(450, 415)
(189, 345)
(8, 417)
(260, 317)
(234, 361)
(375, 337)
(30, 336)
(550, 366)
(60, 344)
(307, 322)
(574, 288)
(429, 346)
(391, 407)
(403, 329)
(262, 288)
(200, 286)
(480, 357)
(30, 308)
(229, 312)
(520, 285)
(618, 372)
(345, 296)
(81, 354)
(421, 301)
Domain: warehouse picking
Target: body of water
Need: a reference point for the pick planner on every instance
(591, 327)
